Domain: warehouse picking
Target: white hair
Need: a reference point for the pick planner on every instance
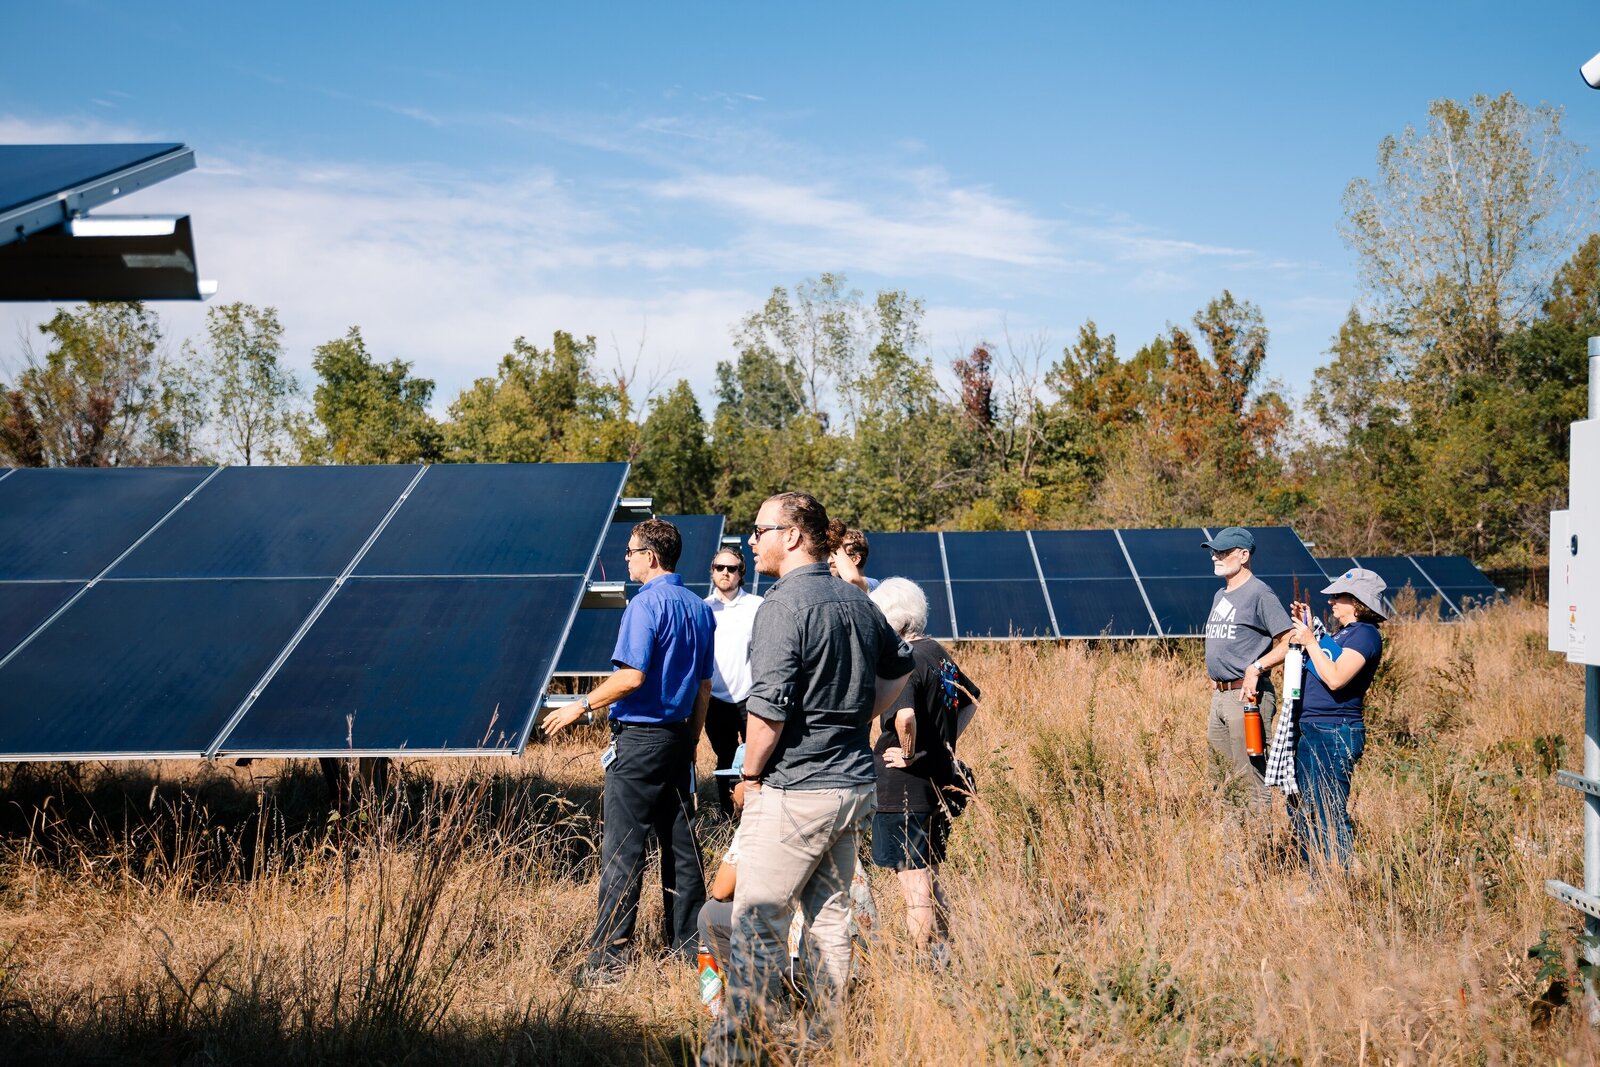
(904, 604)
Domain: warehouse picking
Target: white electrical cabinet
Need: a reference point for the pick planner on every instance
(1559, 601)
(1581, 547)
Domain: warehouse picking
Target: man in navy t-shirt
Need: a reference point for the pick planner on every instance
(658, 697)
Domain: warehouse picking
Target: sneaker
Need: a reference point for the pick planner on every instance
(600, 972)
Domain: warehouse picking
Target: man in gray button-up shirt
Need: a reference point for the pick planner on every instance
(823, 661)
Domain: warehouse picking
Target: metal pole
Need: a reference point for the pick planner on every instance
(1591, 745)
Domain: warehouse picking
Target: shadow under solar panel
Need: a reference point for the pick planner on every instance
(465, 519)
(24, 605)
(73, 522)
(153, 668)
(271, 522)
(414, 665)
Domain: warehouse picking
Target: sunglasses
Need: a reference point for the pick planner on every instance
(760, 528)
(727, 568)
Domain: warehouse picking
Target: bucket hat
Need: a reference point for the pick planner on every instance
(1366, 586)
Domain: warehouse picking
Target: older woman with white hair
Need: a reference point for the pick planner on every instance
(916, 761)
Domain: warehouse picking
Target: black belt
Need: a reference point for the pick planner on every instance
(677, 726)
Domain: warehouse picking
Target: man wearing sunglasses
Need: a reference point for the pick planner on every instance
(657, 698)
(735, 611)
(823, 662)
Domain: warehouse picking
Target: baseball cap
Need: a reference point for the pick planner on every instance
(1364, 585)
(1232, 537)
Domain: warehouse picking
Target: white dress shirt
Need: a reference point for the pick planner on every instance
(730, 680)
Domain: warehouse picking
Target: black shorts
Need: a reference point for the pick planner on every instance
(909, 840)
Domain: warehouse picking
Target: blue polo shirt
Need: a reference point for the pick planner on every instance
(667, 633)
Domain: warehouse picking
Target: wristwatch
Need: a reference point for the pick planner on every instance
(587, 710)
(756, 778)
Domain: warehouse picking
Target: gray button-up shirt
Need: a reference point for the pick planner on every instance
(816, 651)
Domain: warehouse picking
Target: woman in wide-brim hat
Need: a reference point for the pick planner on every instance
(1331, 730)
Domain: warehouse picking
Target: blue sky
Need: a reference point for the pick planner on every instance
(450, 179)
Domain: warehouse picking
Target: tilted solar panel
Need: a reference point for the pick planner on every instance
(1168, 553)
(1181, 605)
(24, 606)
(990, 557)
(29, 173)
(905, 555)
(1080, 554)
(1007, 608)
(73, 522)
(203, 626)
(1459, 579)
(497, 519)
(1100, 607)
(145, 668)
(1333, 566)
(270, 522)
(1398, 573)
(464, 673)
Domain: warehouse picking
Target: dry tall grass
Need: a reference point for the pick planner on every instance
(1107, 903)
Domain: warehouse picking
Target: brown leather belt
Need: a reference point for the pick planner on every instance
(1227, 687)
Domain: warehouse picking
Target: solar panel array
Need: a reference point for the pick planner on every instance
(1453, 584)
(1080, 583)
(272, 611)
(593, 638)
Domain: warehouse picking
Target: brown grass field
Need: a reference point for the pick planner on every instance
(1106, 906)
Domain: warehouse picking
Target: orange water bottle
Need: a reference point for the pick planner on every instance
(711, 981)
(1254, 741)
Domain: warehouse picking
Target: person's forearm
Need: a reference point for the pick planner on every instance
(905, 728)
(760, 739)
(1275, 655)
(702, 701)
(617, 685)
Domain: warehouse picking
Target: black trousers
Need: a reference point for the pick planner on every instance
(725, 730)
(647, 791)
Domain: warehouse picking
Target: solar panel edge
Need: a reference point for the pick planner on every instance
(572, 615)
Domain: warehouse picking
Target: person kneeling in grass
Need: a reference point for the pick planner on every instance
(917, 769)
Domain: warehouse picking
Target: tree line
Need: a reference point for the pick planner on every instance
(1438, 423)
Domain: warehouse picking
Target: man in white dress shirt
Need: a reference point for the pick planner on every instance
(735, 612)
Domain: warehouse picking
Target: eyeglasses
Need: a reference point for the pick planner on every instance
(727, 568)
(760, 528)
(627, 553)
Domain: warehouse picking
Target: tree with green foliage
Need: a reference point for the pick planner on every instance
(253, 391)
(1463, 226)
(543, 405)
(674, 466)
(102, 394)
(366, 411)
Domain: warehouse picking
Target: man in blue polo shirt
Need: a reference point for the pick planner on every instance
(658, 697)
